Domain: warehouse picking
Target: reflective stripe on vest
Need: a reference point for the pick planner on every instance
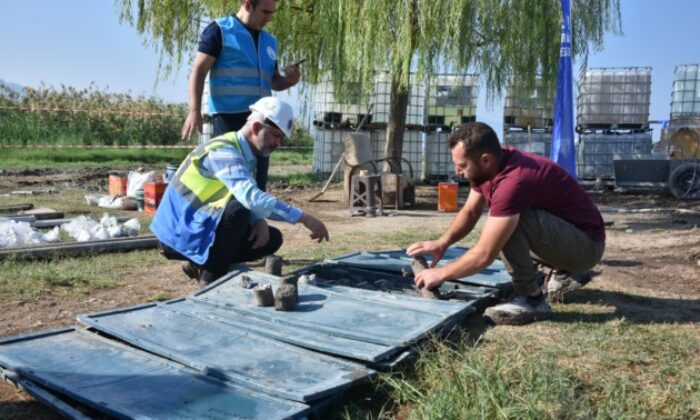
(203, 193)
(241, 74)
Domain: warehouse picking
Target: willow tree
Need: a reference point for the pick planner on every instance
(350, 40)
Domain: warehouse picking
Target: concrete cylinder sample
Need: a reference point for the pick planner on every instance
(263, 295)
(273, 265)
(286, 297)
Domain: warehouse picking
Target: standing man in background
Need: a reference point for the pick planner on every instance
(241, 60)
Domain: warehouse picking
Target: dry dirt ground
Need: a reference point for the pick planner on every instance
(655, 254)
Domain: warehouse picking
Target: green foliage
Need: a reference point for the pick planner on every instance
(80, 158)
(295, 179)
(292, 157)
(500, 40)
(88, 116)
(28, 280)
(352, 39)
(608, 370)
(300, 137)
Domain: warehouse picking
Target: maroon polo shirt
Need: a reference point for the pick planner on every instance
(528, 181)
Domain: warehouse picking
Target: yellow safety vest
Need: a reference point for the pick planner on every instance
(204, 193)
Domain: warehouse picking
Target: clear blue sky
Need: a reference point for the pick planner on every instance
(75, 42)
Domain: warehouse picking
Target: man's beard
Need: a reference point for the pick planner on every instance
(478, 179)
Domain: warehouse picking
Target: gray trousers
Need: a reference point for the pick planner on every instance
(552, 240)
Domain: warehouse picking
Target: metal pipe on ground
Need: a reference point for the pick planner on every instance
(77, 248)
(14, 208)
(36, 214)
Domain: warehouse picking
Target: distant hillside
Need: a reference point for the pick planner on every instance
(14, 86)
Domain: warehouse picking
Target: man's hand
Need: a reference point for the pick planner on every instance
(192, 122)
(292, 74)
(259, 234)
(317, 228)
(429, 278)
(435, 248)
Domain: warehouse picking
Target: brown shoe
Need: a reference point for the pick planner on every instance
(191, 270)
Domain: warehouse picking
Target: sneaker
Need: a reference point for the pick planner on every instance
(521, 310)
(562, 283)
(191, 270)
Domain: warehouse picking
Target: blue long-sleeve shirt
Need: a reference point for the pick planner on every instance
(237, 172)
(190, 232)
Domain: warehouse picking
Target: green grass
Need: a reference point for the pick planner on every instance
(605, 355)
(13, 158)
(86, 158)
(619, 366)
(292, 157)
(294, 179)
(30, 279)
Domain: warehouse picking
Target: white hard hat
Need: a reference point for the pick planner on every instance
(278, 112)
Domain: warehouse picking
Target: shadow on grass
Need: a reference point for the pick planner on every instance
(621, 263)
(30, 409)
(634, 308)
(375, 400)
(662, 221)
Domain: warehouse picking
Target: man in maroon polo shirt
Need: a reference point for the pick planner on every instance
(536, 210)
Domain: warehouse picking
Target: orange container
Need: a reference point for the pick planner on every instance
(117, 185)
(152, 194)
(447, 196)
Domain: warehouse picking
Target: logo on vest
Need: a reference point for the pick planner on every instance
(271, 53)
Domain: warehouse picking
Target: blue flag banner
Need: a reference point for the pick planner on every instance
(563, 151)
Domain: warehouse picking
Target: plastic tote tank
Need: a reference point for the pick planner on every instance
(207, 127)
(328, 148)
(685, 99)
(528, 108)
(537, 142)
(412, 149)
(438, 156)
(330, 111)
(382, 96)
(614, 98)
(595, 152)
(452, 99)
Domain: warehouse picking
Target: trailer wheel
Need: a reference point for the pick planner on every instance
(684, 181)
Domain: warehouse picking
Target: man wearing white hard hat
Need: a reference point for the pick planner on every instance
(213, 214)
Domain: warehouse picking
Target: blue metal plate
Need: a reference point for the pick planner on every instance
(42, 395)
(331, 275)
(338, 313)
(126, 383)
(300, 336)
(397, 262)
(228, 352)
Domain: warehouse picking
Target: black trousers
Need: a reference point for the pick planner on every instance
(224, 123)
(231, 245)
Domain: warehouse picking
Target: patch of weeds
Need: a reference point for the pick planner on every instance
(29, 279)
(292, 157)
(296, 179)
(161, 296)
(614, 369)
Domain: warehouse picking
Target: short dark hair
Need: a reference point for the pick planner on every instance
(255, 3)
(478, 138)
